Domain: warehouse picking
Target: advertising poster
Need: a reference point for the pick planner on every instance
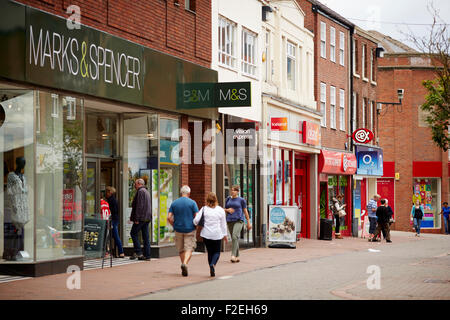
(385, 188)
(282, 223)
(166, 232)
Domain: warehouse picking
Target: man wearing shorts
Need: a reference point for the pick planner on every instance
(181, 216)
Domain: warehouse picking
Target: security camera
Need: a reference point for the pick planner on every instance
(400, 93)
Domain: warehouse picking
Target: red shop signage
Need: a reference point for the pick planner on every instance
(311, 133)
(362, 135)
(279, 124)
(334, 162)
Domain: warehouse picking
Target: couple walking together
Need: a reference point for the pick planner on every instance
(184, 216)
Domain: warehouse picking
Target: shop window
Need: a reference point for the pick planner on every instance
(59, 177)
(169, 174)
(17, 167)
(270, 177)
(279, 177)
(427, 191)
(140, 160)
(287, 177)
(101, 131)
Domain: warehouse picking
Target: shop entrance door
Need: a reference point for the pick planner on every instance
(100, 173)
(301, 194)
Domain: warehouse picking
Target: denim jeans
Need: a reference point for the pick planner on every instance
(417, 223)
(373, 224)
(143, 227)
(115, 234)
(446, 225)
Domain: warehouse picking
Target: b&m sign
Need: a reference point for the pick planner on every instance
(213, 95)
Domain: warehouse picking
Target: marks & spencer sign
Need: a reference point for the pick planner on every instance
(41, 50)
(86, 60)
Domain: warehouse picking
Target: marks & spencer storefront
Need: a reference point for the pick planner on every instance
(81, 110)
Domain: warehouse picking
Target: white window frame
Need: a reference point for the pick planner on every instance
(291, 55)
(363, 112)
(249, 42)
(38, 112)
(332, 107)
(55, 105)
(323, 40)
(342, 109)
(342, 48)
(363, 61)
(267, 64)
(371, 115)
(71, 108)
(229, 43)
(323, 104)
(332, 44)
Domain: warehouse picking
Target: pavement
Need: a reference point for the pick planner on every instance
(136, 280)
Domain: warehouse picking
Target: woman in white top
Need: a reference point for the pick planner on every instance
(214, 229)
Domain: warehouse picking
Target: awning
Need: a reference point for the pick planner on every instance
(334, 162)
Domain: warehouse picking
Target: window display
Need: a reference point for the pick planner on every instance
(17, 160)
(426, 191)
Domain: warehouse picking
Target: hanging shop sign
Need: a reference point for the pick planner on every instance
(311, 133)
(370, 160)
(279, 124)
(334, 162)
(213, 95)
(362, 135)
(242, 133)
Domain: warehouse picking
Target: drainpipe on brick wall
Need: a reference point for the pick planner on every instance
(351, 87)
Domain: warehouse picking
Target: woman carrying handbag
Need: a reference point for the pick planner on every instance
(213, 231)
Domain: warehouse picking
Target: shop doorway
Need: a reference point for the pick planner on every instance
(100, 173)
(301, 194)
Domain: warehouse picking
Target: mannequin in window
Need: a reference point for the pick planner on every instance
(17, 192)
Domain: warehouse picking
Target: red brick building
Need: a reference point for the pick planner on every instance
(116, 76)
(419, 168)
(364, 115)
(332, 72)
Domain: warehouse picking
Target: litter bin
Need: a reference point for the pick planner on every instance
(326, 229)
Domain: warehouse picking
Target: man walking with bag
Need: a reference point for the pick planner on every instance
(181, 214)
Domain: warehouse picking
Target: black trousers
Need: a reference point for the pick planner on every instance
(338, 223)
(213, 248)
(383, 227)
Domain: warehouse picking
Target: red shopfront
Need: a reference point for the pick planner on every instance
(335, 177)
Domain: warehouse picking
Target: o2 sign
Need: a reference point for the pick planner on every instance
(362, 135)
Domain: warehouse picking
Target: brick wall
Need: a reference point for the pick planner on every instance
(157, 24)
(200, 175)
(365, 89)
(402, 139)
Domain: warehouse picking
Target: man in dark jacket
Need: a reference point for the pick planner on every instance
(383, 216)
(141, 215)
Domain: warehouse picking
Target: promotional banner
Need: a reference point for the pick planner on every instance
(370, 161)
(385, 188)
(282, 223)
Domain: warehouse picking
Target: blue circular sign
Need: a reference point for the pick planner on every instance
(277, 215)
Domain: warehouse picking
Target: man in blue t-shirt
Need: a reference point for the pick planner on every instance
(181, 215)
(446, 212)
